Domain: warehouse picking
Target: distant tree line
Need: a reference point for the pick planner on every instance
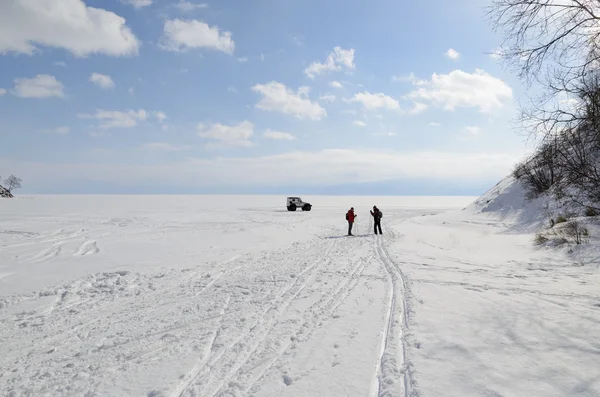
(556, 46)
(9, 184)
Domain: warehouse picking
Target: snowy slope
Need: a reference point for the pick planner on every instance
(507, 200)
(229, 296)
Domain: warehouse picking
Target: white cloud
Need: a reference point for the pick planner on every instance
(359, 123)
(243, 59)
(336, 60)
(117, 119)
(473, 130)
(224, 135)
(180, 35)
(160, 116)
(462, 89)
(66, 24)
(2, 91)
(232, 89)
(58, 131)
(417, 108)
(410, 78)
(453, 54)
(497, 53)
(276, 97)
(131, 91)
(325, 167)
(261, 57)
(375, 101)
(102, 81)
(336, 84)
(137, 4)
(40, 86)
(278, 135)
(384, 134)
(60, 63)
(327, 98)
(435, 124)
(100, 134)
(186, 6)
(164, 146)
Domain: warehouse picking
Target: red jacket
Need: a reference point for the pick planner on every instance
(351, 216)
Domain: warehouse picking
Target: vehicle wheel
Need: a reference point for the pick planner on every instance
(292, 207)
(307, 207)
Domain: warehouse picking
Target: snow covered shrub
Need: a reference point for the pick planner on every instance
(540, 239)
(591, 212)
(560, 219)
(538, 173)
(577, 231)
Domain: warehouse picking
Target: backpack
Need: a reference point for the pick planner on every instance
(346, 216)
(380, 214)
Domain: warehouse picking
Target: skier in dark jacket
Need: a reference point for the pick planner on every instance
(377, 219)
(350, 215)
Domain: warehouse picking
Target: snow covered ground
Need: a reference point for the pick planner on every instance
(235, 296)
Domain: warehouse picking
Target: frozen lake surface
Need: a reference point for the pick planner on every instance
(235, 296)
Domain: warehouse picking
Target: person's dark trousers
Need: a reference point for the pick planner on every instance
(350, 228)
(377, 226)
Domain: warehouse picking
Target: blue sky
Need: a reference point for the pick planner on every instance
(156, 96)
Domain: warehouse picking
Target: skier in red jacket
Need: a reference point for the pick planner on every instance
(350, 216)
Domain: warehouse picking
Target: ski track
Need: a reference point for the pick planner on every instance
(392, 363)
(234, 325)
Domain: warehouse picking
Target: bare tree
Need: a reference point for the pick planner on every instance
(12, 182)
(548, 35)
(556, 44)
(552, 43)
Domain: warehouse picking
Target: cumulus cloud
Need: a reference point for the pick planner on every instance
(359, 123)
(417, 108)
(102, 81)
(160, 116)
(137, 4)
(277, 135)
(453, 54)
(473, 130)
(2, 91)
(66, 24)
(181, 35)
(375, 101)
(327, 98)
(117, 119)
(276, 97)
(336, 61)
(336, 84)
(403, 78)
(164, 146)
(40, 86)
(187, 6)
(57, 131)
(225, 135)
(461, 89)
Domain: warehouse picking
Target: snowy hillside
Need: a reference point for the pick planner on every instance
(235, 296)
(507, 200)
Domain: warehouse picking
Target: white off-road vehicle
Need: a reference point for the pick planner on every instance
(296, 202)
